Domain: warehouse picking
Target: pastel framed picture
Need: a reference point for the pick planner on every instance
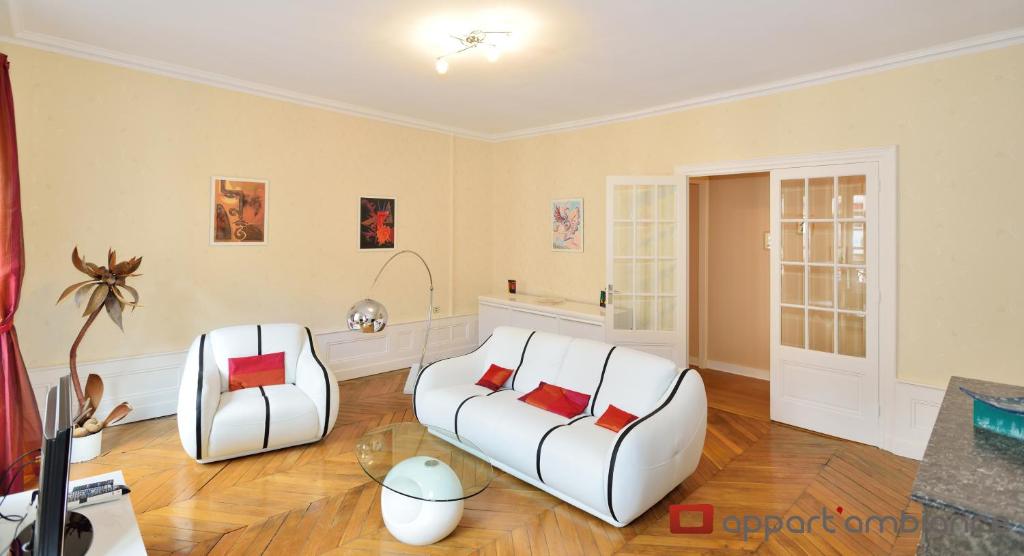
(567, 225)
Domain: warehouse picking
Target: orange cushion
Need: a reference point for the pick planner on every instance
(494, 377)
(614, 419)
(256, 370)
(556, 399)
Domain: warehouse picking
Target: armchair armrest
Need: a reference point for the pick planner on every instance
(198, 398)
(319, 383)
(657, 452)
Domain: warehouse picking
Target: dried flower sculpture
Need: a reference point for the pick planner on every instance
(102, 291)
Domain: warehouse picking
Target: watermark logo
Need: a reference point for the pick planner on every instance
(826, 521)
(707, 523)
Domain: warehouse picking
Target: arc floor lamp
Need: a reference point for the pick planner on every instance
(371, 316)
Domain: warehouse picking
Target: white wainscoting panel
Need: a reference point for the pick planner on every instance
(354, 354)
(915, 408)
(150, 382)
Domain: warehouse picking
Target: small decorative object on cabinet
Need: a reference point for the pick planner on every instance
(239, 211)
(567, 225)
(377, 223)
(105, 290)
(370, 316)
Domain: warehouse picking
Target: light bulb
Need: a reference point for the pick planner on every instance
(493, 53)
(441, 66)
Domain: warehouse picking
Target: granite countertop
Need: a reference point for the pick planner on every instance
(972, 471)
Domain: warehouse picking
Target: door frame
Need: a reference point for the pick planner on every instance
(888, 228)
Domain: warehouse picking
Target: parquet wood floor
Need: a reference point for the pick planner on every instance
(315, 499)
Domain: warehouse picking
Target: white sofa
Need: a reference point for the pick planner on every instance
(614, 476)
(215, 423)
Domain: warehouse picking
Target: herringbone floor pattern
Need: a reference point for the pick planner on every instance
(316, 500)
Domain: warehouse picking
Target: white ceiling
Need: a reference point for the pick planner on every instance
(577, 59)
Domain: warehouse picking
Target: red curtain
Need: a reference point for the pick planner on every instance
(19, 415)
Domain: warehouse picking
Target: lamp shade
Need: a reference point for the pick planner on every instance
(368, 315)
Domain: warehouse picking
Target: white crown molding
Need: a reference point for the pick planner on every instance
(81, 50)
(937, 52)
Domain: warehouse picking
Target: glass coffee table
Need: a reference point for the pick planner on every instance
(424, 478)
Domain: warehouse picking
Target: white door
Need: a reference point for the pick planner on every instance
(646, 264)
(824, 329)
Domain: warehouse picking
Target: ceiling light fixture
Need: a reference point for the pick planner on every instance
(476, 39)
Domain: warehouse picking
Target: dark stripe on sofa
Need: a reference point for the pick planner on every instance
(327, 382)
(259, 340)
(457, 410)
(266, 421)
(522, 358)
(593, 401)
(416, 387)
(545, 437)
(618, 443)
(199, 400)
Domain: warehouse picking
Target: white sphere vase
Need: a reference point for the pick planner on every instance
(421, 500)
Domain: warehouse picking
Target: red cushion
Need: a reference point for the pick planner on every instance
(494, 377)
(556, 399)
(614, 419)
(256, 370)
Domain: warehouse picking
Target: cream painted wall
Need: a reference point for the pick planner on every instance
(111, 156)
(957, 123)
(739, 284)
(121, 158)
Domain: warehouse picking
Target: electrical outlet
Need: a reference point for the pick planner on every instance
(437, 309)
(767, 240)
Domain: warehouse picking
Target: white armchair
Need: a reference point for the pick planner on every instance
(215, 423)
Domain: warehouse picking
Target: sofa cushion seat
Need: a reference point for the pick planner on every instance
(240, 423)
(438, 409)
(507, 429)
(573, 460)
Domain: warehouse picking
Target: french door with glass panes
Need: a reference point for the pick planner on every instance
(824, 295)
(647, 264)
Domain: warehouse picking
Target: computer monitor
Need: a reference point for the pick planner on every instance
(56, 532)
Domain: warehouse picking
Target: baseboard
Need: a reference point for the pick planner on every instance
(752, 372)
(915, 407)
(150, 382)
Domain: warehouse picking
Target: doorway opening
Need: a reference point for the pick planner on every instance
(730, 273)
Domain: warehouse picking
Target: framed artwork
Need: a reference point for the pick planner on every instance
(377, 223)
(238, 212)
(567, 225)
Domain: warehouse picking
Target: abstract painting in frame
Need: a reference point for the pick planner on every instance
(377, 223)
(239, 211)
(567, 225)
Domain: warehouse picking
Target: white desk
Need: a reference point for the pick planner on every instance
(115, 530)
